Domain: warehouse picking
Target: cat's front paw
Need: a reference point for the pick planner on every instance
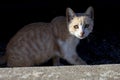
(83, 63)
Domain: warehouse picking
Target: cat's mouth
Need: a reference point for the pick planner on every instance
(80, 37)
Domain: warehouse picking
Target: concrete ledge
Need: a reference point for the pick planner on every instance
(80, 72)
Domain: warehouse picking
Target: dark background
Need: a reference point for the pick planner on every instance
(104, 43)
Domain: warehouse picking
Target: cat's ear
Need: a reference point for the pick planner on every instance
(90, 12)
(70, 14)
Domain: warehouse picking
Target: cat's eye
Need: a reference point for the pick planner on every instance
(76, 26)
(86, 25)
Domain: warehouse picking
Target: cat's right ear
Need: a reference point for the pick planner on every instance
(70, 14)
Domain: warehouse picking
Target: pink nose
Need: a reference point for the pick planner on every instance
(81, 34)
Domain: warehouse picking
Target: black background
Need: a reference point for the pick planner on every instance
(15, 14)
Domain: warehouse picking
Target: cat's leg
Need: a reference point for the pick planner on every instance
(56, 61)
(16, 61)
(75, 59)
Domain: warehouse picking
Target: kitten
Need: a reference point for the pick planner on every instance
(38, 42)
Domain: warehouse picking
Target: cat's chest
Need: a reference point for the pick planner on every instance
(69, 45)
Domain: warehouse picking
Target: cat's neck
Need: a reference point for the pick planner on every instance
(59, 27)
(69, 45)
(73, 40)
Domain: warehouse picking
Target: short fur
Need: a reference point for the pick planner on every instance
(38, 42)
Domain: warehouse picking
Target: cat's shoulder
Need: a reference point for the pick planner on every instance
(59, 19)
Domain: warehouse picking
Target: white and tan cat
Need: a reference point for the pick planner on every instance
(38, 42)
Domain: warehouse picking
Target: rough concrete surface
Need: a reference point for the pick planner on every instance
(79, 72)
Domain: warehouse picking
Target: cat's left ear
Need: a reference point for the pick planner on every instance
(90, 12)
(70, 14)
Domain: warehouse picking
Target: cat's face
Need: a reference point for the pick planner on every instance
(80, 25)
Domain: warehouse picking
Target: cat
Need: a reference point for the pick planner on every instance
(38, 42)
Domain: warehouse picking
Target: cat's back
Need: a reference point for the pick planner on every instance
(31, 44)
(30, 31)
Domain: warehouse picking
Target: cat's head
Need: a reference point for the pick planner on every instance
(80, 24)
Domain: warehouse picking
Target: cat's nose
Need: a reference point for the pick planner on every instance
(81, 34)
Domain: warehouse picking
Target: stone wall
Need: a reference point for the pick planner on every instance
(93, 72)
